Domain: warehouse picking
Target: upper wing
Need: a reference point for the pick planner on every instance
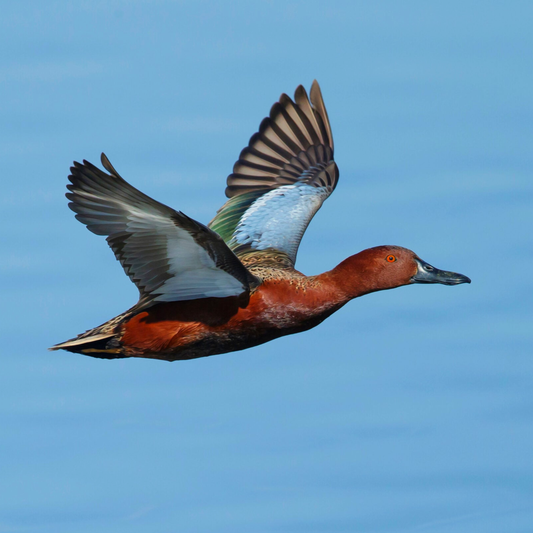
(280, 180)
(168, 255)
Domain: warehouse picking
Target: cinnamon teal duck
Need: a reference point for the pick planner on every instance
(232, 284)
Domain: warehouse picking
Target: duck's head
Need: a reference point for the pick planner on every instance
(387, 267)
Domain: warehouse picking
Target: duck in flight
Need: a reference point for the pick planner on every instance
(232, 284)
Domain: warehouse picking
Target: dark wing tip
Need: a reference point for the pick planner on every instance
(300, 93)
(317, 101)
(108, 166)
(315, 94)
(294, 143)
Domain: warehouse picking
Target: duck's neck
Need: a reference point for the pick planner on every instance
(354, 277)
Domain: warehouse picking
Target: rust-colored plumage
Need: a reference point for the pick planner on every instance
(206, 290)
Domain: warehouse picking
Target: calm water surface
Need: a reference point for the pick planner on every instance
(407, 411)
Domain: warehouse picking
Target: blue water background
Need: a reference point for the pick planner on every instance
(407, 411)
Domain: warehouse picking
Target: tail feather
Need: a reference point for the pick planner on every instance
(77, 341)
(100, 345)
(102, 341)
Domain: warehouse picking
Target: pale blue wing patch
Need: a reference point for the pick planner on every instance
(280, 179)
(278, 219)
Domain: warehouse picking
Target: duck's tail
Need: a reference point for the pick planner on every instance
(102, 341)
(94, 345)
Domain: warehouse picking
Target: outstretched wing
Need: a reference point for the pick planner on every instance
(280, 180)
(168, 255)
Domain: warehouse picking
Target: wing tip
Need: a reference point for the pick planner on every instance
(108, 166)
(272, 152)
(315, 93)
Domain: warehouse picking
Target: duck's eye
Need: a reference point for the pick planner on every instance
(391, 258)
